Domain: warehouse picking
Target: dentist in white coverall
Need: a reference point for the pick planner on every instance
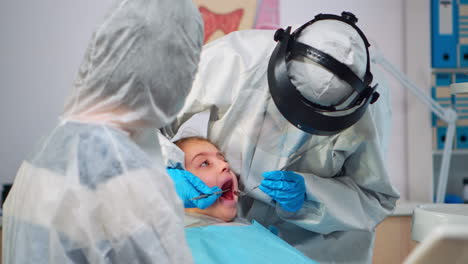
(347, 188)
(96, 190)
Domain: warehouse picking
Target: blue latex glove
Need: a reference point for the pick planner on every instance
(287, 188)
(189, 186)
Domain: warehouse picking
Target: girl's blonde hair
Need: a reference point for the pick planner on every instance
(182, 141)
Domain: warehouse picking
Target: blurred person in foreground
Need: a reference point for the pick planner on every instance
(84, 195)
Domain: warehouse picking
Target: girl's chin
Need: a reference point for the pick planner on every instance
(228, 217)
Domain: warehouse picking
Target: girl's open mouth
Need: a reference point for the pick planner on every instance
(229, 195)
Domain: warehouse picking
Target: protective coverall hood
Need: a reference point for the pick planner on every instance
(135, 70)
(342, 42)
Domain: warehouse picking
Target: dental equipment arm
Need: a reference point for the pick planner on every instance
(446, 114)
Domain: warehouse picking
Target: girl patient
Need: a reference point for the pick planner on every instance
(205, 160)
(212, 235)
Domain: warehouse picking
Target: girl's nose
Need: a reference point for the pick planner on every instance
(225, 166)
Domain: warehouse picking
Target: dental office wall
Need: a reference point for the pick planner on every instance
(42, 44)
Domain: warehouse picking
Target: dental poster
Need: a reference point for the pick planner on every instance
(222, 17)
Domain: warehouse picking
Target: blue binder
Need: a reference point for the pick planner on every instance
(444, 27)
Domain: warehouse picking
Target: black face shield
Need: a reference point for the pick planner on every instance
(303, 114)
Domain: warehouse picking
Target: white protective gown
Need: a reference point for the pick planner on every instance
(96, 190)
(348, 188)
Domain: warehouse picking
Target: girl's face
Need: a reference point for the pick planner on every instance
(206, 162)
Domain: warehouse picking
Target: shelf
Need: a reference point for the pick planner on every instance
(454, 152)
(450, 70)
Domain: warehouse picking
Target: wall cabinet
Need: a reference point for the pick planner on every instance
(393, 240)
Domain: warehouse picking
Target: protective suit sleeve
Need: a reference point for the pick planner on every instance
(359, 198)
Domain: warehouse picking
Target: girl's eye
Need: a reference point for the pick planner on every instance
(204, 164)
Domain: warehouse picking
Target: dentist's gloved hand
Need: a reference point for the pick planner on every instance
(287, 188)
(189, 186)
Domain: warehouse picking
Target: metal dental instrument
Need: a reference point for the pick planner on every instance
(206, 195)
(242, 193)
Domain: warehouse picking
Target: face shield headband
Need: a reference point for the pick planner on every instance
(303, 114)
